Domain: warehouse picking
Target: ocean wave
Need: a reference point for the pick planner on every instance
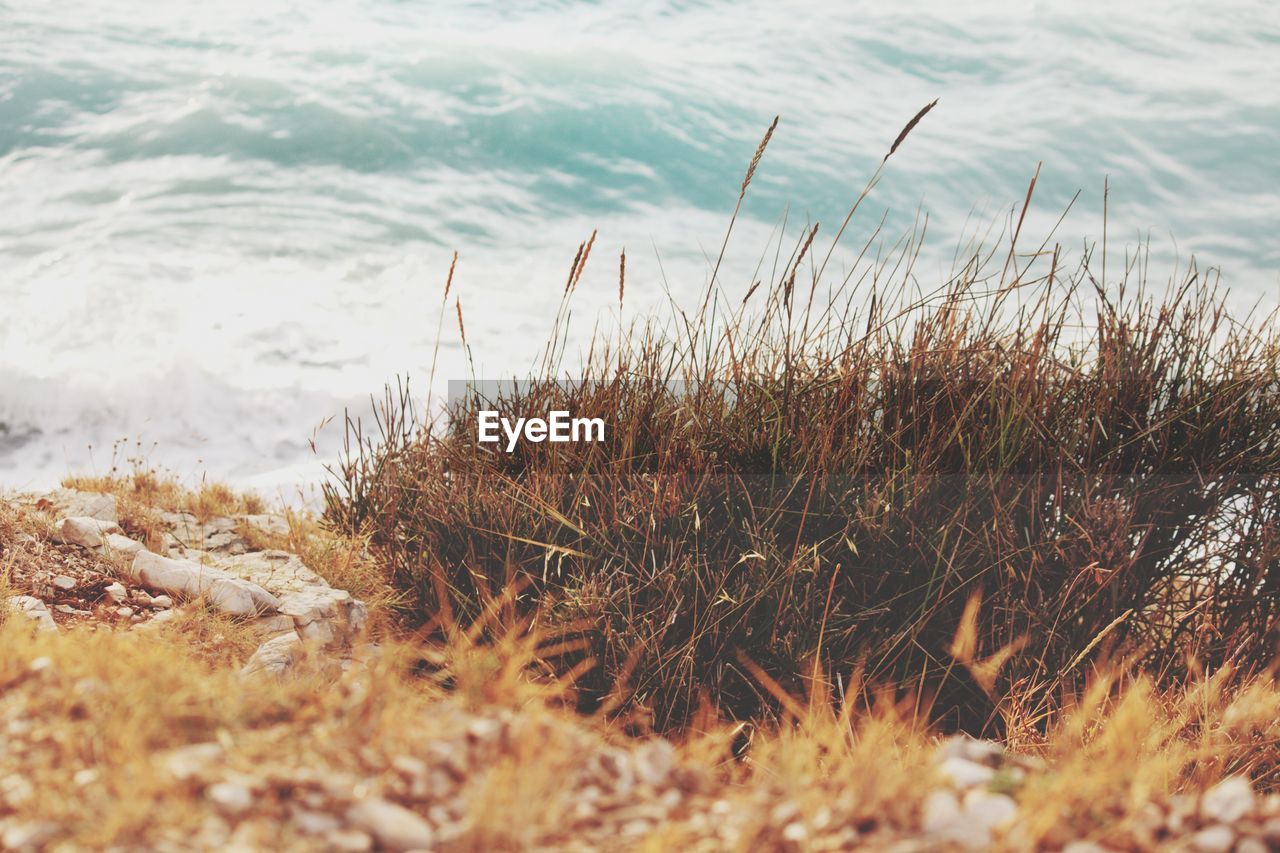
(224, 221)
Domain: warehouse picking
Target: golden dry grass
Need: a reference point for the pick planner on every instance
(153, 490)
(90, 720)
(144, 490)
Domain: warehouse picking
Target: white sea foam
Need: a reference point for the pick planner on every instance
(225, 222)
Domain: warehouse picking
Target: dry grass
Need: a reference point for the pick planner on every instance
(1115, 753)
(838, 476)
(141, 490)
(90, 719)
(1034, 502)
(103, 707)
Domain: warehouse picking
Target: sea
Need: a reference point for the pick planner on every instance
(224, 226)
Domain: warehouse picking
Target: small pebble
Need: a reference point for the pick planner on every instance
(348, 841)
(989, 810)
(28, 836)
(393, 826)
(978, 751)
(941, 810)
(1228, 801)
(231, 797)
(41, 665)
(1214, 839)
(963, 773)
(315, 823)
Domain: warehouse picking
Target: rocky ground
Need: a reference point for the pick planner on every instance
(309, 738)
(89, 573)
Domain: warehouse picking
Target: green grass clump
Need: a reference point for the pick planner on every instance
(834, 475)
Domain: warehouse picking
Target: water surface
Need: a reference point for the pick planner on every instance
(224, 222)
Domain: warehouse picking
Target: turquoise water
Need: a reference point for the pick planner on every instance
(224, 222)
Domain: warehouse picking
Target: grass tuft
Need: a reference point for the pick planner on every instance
(826, 479)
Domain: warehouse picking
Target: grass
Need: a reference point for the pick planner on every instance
(819, 475)
(93, 719)
(833, 518)
(142, 490)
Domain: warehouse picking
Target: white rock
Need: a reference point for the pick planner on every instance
(1083, 847)
(1228, 801)
(348, 841)
(118, 544)
(117, 593)
(15, 790)
(84, 531)
(156, 620)
(940, 813)
(214, 534)
(274, 657)
(70, 502)
(1252, 845)
(943, 820)
(409, 766)
(124, 612)
(653, 762)
(274, 524)
(320, 613)
(163, 602)
(182, 577)
(1214, 839)
(985, 752)
(32, 835)
(794, 832)
(315, 823)
(239, 597)
(41, 665)
(273, 624)
(64, 583)
(393, 827)
(188, 762)
(988, 809)
(963, 773)
(191, 580)
(231, 797)
(35, 610)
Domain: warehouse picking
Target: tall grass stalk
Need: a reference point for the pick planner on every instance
(814, 488)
